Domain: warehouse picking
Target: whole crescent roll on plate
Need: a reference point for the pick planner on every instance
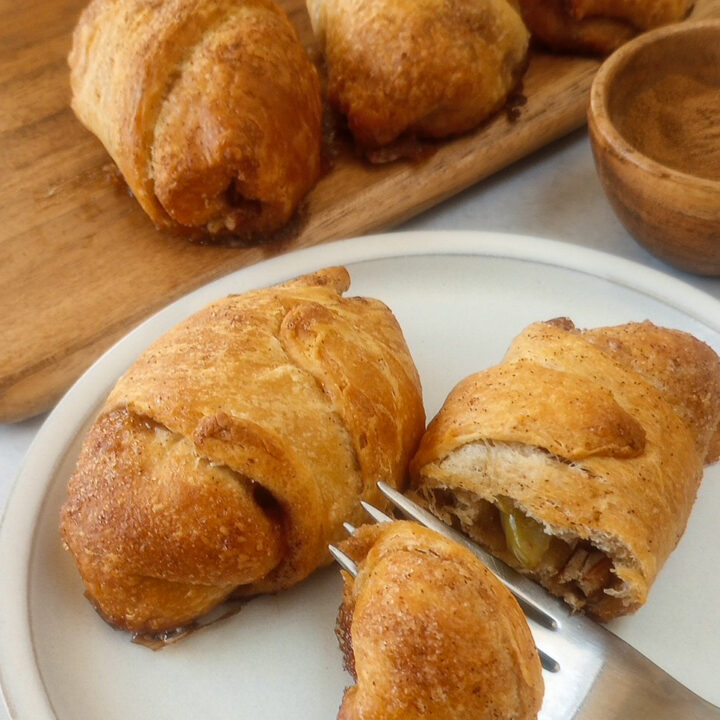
(227, 457)
(418, 68)
(577, 459)
(429, 632)
(211, 109)
(597, 26)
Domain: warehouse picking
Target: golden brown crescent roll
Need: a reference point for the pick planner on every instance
(577, 460)
(428, 631)
(211, 109)
(227, 457)
(597, 26)
(421, 68)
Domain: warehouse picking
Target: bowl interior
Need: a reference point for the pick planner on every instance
(664, 98)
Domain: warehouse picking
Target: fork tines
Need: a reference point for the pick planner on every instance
(344, 560)
(505, 574)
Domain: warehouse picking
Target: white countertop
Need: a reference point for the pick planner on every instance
(554, 193)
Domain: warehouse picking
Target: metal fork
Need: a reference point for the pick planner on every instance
(591, 674)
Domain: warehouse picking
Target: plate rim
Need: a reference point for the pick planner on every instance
(23, 690)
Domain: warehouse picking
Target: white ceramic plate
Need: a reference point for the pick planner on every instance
(460, 298)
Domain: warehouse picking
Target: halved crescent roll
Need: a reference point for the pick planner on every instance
(429, 632)
(577, 459)
(211, 109)
(227, 457)
(429, 68)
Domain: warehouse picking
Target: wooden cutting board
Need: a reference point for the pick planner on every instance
(80, 264)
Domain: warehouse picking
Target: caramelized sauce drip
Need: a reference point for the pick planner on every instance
(160, 640)
(344, 636)
(515, 101)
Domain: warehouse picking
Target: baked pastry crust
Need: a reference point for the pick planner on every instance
(597, 26)
(429, 631)
(227, 457)
(421, 68)
(599, 437)
(210, 109)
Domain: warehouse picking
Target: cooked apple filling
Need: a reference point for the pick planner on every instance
(570, 567)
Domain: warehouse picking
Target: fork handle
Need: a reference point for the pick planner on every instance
(629, 687)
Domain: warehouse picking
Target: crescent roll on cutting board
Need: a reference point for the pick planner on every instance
(227, 457)
(597, 26)
(428, 631)
(418, 68)
(210, 109)
(577, 460)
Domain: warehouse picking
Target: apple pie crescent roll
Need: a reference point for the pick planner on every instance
(228, 456)
(577, 459)
(597, 26)
(429, 632)
(419, 68)
(210, 109)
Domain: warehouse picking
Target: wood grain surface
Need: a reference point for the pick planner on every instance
(80, 263)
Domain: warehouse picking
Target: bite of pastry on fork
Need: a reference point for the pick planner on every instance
(426, 629)
(430, 620)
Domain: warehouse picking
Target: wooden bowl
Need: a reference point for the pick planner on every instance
(654, 122)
